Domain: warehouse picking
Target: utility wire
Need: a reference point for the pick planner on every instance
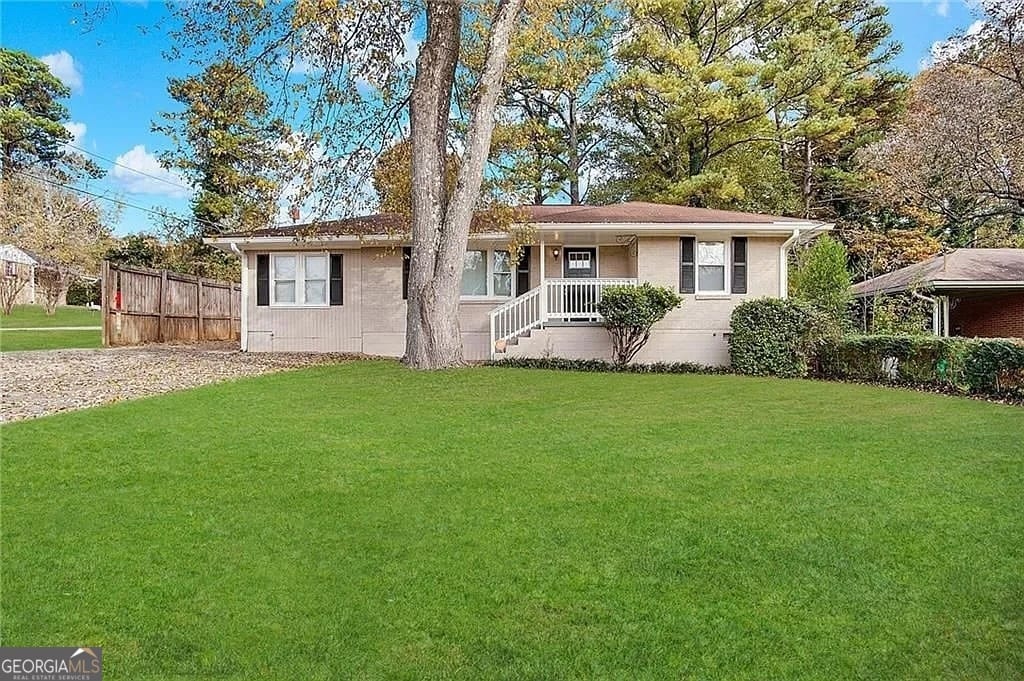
(134, 170)
(120, 202)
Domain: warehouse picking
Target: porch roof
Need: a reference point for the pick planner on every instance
(963, 268)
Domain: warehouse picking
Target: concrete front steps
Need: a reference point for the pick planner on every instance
(575, 341)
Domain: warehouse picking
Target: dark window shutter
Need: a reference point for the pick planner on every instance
(687, 269)
(337, 280)
(406, 264)
(523, 271)
(739, 264)
(263, 279)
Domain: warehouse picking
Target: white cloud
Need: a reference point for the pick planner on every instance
(77, 131)
(942, 8)
(139, 172)
(65, 68)
(946, 50)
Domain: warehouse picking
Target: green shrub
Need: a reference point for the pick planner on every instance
(822, 280)
(995, 366)
(629, 313)
(600, 365)
(770, 337)
(84, 292)
(984, 366)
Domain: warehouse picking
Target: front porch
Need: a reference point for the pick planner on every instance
(563, 300)
(559, 281)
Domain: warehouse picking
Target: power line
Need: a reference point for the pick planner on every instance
(120, 202)
(134, 170)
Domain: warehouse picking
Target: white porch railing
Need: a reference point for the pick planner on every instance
(555, 300)
(516, 317)
(574, 300)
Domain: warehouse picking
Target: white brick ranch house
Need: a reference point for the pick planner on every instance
(340, 286)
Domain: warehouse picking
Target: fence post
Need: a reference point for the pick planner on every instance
(160, 309)
(199, 307)
(105, 301)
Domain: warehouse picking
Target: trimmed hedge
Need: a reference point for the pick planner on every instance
(770, 337)
(600, 365)
(974, 365)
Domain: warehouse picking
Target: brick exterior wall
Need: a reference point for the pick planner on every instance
(998, 315)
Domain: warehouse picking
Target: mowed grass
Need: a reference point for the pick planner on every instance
(364, 521)
(34, 316)
(49, 339)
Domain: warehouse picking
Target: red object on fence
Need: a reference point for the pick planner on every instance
(117, 300)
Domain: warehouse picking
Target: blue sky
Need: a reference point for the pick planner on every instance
(118, 78)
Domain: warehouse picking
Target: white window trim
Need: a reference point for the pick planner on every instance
(300, 280)
(489, 263)
(718, 293)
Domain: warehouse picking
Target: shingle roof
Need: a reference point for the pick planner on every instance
(964, 265)
(640, 211)
(622, 213)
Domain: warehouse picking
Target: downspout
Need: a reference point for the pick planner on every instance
(243, 312)
(936, 330)
(784, 263)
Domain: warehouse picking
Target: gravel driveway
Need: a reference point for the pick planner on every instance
(37, 383)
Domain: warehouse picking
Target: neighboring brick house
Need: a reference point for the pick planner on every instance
(976, 292)
(340, 286)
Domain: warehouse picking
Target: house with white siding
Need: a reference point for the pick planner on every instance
(19, 264)
(340, 286)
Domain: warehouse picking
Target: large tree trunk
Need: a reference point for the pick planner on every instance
(440, 225)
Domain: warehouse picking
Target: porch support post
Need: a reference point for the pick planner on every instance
(543, 285)
(936, 327)
(945, 315)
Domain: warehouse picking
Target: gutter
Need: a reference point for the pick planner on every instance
(243, 323)
(784, 263)
(935, 311)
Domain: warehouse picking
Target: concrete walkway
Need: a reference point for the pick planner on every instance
(53, 328)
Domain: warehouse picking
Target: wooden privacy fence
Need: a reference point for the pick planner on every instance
(143, 305)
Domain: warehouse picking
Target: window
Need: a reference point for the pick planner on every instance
(711, 267)
(502, 274)
(316, 280)
(474, 273)
(307, 279)
(487, 273)
(579, 260)
(285, 273)
(10, 268)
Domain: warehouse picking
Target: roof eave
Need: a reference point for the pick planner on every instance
(778, 226)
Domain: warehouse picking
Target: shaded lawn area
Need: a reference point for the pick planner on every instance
(49, 339)
(34, 316)
(365, 521)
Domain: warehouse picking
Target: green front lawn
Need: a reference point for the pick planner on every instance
(49, 339)
(34, 316)
(364, 521)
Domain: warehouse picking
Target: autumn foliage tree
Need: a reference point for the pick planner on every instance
(553, 112)
(229, 145)
(337, 70)
(955, 163)
(66, 231)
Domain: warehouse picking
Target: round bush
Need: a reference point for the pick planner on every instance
(769, 337)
